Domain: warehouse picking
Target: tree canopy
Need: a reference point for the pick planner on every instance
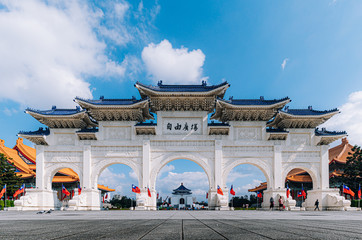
(352, 175)
(8, 176)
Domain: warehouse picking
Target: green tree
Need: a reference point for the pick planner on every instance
(8, 176)
(352, 175)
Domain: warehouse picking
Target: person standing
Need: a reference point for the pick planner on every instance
(271, 203)
(316, 204)
(280, 203)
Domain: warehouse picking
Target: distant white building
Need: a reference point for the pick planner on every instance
(181, 197)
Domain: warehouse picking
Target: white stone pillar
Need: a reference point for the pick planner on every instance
(324, 169)
(146, 166)
(277, 181)
(144, 202)
(40, 174)
(217, 201)
(86, 182)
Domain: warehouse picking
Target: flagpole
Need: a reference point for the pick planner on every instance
(5, 198)
(257, 202)
(359, 200)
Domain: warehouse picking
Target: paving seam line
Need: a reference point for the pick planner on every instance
(208, 226)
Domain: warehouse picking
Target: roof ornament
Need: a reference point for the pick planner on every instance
(203, 83)
(231, 98)
(310, 108)
(286, 108)
(133, 98)
(159, 83)
(101, 97)
(77, 108)
(54, 107)
(262, 98)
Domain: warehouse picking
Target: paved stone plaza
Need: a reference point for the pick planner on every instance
(181, 225)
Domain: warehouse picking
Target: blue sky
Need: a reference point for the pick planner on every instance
(53, 51)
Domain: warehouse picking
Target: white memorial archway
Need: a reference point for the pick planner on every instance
(103, 132)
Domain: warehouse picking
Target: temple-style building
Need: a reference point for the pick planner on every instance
(24, 159)
(298, 177)
(182, 198)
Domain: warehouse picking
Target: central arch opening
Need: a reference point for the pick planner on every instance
(115, 183)
(182, 185)
(249, 183)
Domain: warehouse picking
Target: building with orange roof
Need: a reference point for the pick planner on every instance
(24, 159)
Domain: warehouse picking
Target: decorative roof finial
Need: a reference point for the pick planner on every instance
(101, 97)
(231, 98)
(159, 83)
(77, 108)
(262, 98)
(310, 108)
(286, 108)
(203, 83)
(133, 98)
(182, 183)
(54, 107)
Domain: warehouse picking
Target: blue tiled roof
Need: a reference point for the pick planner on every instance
(103, 101)
(40, 131)
(88, 130)
(324, 132)
(182, 88)
(218, 124)
(309, 111)
(251, 102)
(56, 111)
(275, 130)
(146, 124)
(182, 188)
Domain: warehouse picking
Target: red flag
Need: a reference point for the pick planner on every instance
(219, 190)
(135, 189)
(158, 195)
(207, 195)
(259, 195)
(232, 192)
(65, 191)
(103, 198)
(79, 189)
(348, 190)
(149, 192)
(19, 191)
(358, 194)
(3, 191)
(288, 191)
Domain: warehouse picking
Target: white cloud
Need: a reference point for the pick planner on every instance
(47, 49)
(10, 111)
(349, 119)
(234, 175)
(173, 65)
(133, 175)
(166, 169)
(284, 63)
(244, 189)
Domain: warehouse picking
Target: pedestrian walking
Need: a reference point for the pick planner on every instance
(271, 203)
(316, 204)
(281, 204)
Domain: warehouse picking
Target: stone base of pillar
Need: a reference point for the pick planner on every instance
(217, 201)
(329, 199)
(144, 202)
(37, 200)
(88, 200)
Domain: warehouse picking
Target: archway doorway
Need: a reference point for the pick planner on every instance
(299, 182)
(68, 179)
(182, 184)
(249, 183)
(115, 184)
